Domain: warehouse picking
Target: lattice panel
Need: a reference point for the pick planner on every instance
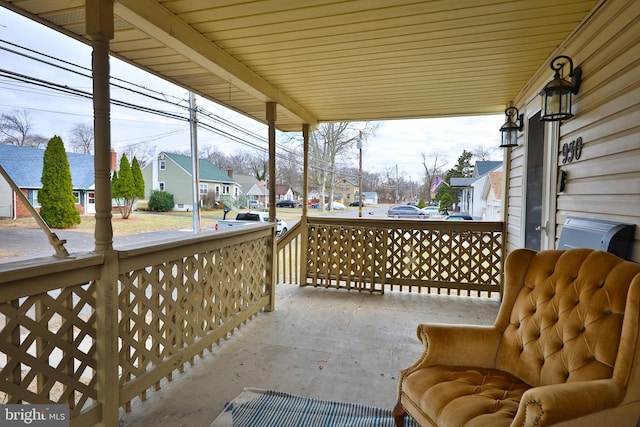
(366, 258)
(460, 258)
(47, 348)
(345, 257)
(165, 308)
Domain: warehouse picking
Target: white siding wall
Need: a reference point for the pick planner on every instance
(605, 182)
(6, 199)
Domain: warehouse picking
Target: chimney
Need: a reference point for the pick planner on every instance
(114, 160)
(230, 172)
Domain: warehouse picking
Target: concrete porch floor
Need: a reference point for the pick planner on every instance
(323, 343)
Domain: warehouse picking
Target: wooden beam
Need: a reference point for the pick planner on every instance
(158, 22)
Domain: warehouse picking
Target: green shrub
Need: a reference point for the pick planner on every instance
(422, 204)
(57, 202)
(161, 201)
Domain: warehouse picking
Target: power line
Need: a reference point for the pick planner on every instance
(159, 97)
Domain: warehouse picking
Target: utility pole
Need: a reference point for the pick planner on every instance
(396, 201)
(195, 175)
(359, 145)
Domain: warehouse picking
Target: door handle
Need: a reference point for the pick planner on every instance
(542, 227)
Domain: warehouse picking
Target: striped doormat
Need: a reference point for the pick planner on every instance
(266, 408)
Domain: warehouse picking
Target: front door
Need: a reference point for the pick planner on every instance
(540, 186)
(91, 202)
(534, 183)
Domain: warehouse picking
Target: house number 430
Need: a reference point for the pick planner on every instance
(572, 151)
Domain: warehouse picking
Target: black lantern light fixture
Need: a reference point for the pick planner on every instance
(556, 95)
(511, 127)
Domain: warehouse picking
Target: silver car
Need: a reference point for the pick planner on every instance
(406, 211)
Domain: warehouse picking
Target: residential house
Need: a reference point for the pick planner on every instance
(173, 173)
(254, 193)
(345, 191)
(370, 197)
(24, 166)
(284, 192)
(492, 196)
(470, 189)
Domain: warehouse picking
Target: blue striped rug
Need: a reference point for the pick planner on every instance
(266, 408)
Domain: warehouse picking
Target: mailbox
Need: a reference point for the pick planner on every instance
(610, 236)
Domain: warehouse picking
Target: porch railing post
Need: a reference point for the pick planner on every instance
(99, 18)
(107, 339)
(304, 231)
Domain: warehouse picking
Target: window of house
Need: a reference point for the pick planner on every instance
(162, 164)
(226, 189)
(204, 188)
(217, 189)
(33, 198)
(76, 194)
(161, 186)
(348, 187)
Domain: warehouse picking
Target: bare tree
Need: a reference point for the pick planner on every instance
(142, 152)
(483, 153)
(15, 129)
(260, 166)
(218, 158)
(432, 170)
(82, 138)
(326, 144)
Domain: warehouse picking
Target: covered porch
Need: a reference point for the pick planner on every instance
(342, 346)
(131, 329)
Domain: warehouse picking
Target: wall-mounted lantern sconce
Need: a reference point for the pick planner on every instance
(511, 127)
(556, 95)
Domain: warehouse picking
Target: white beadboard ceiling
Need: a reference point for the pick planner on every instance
(335, 60)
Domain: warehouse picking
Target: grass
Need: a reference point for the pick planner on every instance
(142, 222)
(138, 222)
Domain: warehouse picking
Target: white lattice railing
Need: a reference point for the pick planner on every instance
(461, 257)
(97, 331)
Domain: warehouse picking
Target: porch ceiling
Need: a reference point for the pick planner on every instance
(327, 60)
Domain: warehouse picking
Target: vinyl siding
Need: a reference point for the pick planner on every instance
(605, 182)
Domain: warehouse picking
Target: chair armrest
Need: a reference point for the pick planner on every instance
(458, 345)
(551, 404)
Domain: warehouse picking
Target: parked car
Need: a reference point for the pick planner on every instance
(254, 204)
(433, 212)
(459, 217)
(337, 206)
(406, 211)
(286, 204)
(244, 218)
(356, 203)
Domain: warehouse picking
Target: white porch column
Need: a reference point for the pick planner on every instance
(271, 121)
(100, 29)
(305, 168)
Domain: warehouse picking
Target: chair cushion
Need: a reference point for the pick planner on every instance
(465, 396)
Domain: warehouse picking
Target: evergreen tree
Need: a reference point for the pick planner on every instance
(123, 188)
(137, 178)
(448, 196)
(56, 199)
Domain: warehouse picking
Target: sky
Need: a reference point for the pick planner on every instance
(396, 144)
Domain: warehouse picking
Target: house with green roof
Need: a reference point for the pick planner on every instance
(173, 173)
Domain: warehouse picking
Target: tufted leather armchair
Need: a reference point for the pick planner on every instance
(564, 350)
